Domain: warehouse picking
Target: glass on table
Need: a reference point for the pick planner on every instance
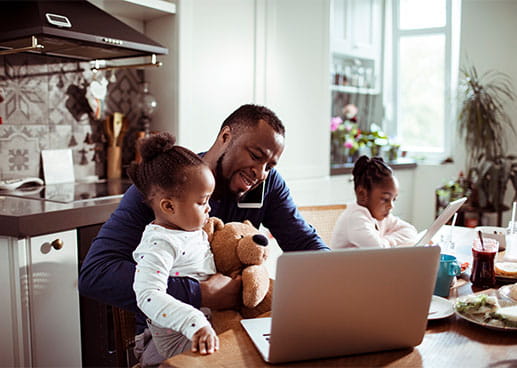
(483, 257)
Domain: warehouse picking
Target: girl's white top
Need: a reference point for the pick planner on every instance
(357, 228)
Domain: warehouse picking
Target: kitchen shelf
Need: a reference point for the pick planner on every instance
(137, 9)
(356, 90)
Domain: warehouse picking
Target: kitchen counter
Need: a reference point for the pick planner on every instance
(400, 164)
(22, 217)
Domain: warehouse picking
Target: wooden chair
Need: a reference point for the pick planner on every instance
(322, 218)
(124, 326)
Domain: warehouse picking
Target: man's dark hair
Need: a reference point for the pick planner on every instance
(249, 116)
(164, 165)
(369, 171)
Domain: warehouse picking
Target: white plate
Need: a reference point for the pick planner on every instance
(440, 308)
(505, 291)
(479, 320)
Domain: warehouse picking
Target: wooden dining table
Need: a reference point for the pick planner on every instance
(448, 342)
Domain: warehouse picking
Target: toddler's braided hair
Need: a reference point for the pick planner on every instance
(164, 166)
(370, 171)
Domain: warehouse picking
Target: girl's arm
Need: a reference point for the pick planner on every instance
(399, 232)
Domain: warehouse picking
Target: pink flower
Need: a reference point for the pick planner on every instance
(334, 123)
(348, 144)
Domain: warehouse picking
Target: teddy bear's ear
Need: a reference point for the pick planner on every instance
(212, 225)
(248, 222)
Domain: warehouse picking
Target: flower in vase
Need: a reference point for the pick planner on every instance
(335, 122)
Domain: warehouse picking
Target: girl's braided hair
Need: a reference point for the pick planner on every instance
(164, 166)
(369, 171)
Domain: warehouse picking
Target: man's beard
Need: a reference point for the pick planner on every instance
(222, 184)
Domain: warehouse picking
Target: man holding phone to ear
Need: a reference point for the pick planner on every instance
(242, 158)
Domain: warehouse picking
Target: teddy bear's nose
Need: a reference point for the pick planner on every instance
(260, 239)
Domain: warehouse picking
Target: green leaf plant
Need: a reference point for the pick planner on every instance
(483, 123)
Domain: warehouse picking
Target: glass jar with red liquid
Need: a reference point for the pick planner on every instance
(483, 257)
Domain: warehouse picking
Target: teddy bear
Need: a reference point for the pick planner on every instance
(240, 249)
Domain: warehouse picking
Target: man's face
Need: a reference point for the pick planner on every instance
(251, 153)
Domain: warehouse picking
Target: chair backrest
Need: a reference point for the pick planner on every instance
(322, 218)
(124, 326)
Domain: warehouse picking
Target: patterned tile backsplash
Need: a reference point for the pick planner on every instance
(44, 105)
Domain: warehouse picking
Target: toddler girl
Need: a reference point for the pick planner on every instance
(176, 184)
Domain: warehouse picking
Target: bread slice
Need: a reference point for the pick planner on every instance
(506, 269)
(513, 291)
(508, 315)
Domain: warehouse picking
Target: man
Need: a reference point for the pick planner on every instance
(244, 154)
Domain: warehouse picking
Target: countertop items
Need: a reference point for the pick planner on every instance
(13, 184)
(29, 216)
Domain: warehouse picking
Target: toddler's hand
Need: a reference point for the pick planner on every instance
(205, 341)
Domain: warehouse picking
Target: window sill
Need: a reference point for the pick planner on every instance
(400, 164)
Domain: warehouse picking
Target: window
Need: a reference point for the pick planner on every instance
(422, 53)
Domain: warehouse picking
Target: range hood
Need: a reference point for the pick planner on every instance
(72, 29)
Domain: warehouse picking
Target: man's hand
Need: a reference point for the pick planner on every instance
(221, 292)
(205, 341)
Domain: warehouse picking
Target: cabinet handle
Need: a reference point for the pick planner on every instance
(57, 244)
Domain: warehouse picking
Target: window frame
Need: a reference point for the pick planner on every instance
(451, 31)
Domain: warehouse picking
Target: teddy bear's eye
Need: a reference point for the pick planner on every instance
(242, 236)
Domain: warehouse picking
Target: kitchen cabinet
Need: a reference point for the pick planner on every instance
(40, 294)
(296, 83)
(14, 321)
(356, 45)
(404, 203)
(226, 53)
(143, 10)
(338, 189)
(356, 28)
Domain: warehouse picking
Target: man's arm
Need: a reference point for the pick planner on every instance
(107, 272)
(284, 221)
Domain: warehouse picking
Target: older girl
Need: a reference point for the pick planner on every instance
(368, 222)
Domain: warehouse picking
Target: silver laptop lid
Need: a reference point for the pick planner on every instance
(350, 301)
(441, 220)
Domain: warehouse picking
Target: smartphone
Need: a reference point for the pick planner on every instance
(254, 198)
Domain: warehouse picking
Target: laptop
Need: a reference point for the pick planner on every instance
(441, 220)
(348, 301)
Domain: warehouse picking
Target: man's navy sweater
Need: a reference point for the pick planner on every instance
(108, 269)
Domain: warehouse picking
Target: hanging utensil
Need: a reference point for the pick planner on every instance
(115, 128)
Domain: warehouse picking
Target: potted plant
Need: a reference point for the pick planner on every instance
(483, 124)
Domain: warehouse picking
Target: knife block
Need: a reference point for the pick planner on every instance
(114, 162)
